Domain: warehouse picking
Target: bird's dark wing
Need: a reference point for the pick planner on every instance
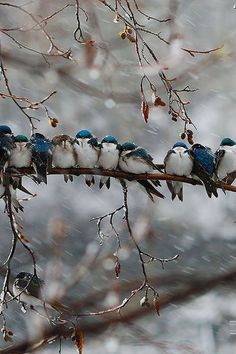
(150, 189)
(34, 288)
(171, 189)
(40, 162)
(6, 145)
(218, 156)
(170, 152)
(209, 184)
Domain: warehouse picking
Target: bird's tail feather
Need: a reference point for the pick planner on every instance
(105, 180)
(150, 189)
(89, 179)
(41, 170)
(176, 188)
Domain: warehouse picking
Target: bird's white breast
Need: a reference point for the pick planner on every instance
(64, 156)
(228, 162)
(20, 156)
(86, 154)
(179, 163)
(109, 156)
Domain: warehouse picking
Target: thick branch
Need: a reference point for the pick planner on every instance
(118, 174)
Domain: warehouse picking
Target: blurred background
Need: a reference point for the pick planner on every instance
(98, 88)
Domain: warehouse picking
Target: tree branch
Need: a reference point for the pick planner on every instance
(118, 174)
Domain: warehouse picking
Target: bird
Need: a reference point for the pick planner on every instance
(21, 154)
(134, 159)
(41, 155)
(204, 167)
(6, 145)
(87, 149)
(178, 162)
(64, 153)
(226, 160)
(28, 289)
(108, 157)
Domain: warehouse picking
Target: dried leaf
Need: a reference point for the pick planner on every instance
(7, 334)
(145, 110)
(23, 238)
(53, 122)
(156, 303)
(90, 52)
(158, 102)
(78, 339)
(130, 38)
(117, 267)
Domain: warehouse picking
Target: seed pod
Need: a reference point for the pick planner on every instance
(130, 38)
(122, 35)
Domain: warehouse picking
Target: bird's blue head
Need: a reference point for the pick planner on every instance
(21, 275)
(109, 139)
(127, 146)
(140, 152)
(40, 143)
(32, 278)
(38, 136)
(5, 129)
(93, 141)
(21, 139)
(227, 142)
(180, 144)
(84, 134)
(197, 146)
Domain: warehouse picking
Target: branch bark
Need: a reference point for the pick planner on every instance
(118, 174)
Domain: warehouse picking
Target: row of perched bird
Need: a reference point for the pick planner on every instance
(84, 151)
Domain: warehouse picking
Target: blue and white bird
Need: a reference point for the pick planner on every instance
(87, 150)
(64, 153)
(134, 159)
(204, 167)
(28, 289)
(108, 157)
(41, 155)
(21, 154)
(6, 146)
(226, 160)
(178, 162)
